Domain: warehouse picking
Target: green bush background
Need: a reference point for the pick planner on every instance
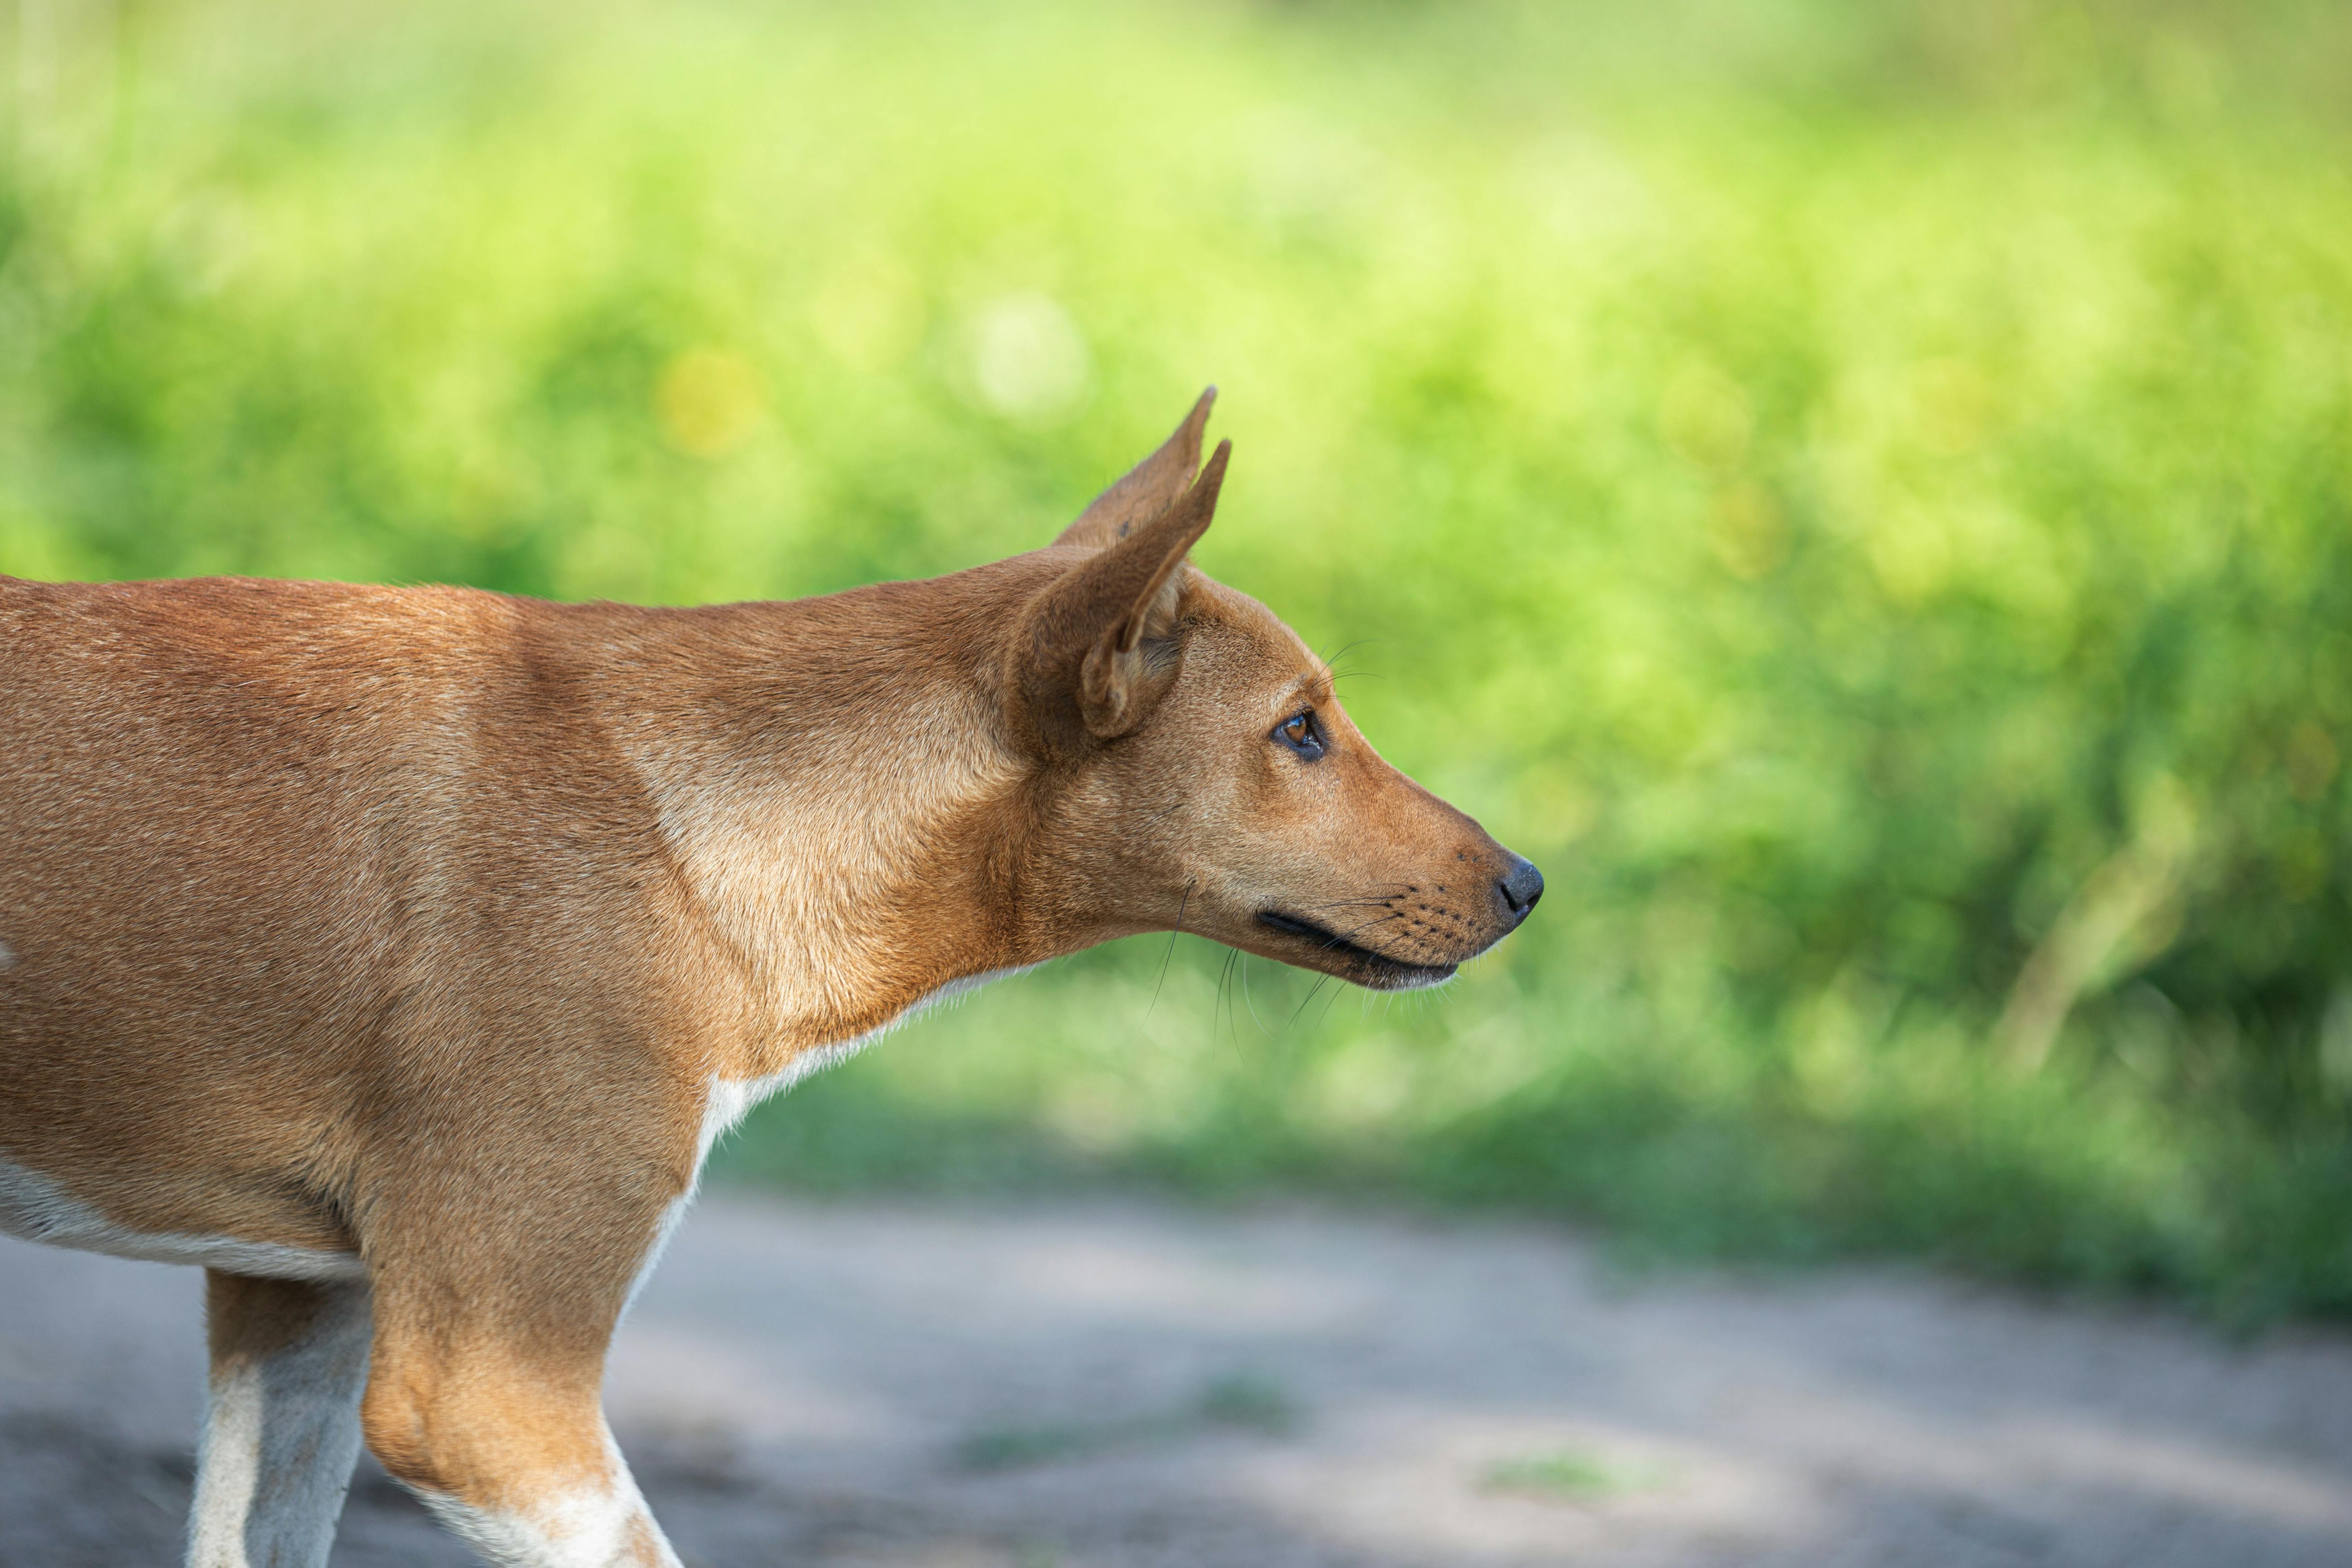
(1860, 493)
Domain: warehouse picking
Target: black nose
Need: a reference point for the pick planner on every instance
(1520, 888)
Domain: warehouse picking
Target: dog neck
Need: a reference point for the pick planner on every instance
(834, 781)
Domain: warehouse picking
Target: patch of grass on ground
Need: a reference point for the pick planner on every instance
(1234, 1402)
(1573, 1475)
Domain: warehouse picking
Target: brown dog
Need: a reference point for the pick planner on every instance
(397, 954)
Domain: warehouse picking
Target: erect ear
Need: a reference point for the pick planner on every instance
(1096, 650)
(1150, 488)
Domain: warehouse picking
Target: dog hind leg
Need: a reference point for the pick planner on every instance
(281, 1425)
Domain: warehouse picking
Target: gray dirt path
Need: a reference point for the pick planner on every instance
(1127, 1385)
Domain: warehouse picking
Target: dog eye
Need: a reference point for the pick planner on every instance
(1300, 733)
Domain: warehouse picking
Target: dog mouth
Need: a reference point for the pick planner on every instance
(1374, 971)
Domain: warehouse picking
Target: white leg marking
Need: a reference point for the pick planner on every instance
(281, 1435)
(228, 1471)
(588, 1527)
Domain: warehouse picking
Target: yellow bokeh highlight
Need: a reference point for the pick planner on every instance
(709, 402)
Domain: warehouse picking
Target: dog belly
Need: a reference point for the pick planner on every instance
(35, 1208)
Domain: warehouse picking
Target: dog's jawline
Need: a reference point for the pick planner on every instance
(1388, 974)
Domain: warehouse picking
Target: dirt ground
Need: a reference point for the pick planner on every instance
(1134, 1387)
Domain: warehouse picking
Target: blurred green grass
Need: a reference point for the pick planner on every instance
(1858, 491)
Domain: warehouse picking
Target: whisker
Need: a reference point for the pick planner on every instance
(1320, 981)
(1386, 890)
(1347, 649)
(1234, 1014)
(1165, 957)
(1251, 1001)
(1328, 1006)
(1224, 978)
(1350, 935)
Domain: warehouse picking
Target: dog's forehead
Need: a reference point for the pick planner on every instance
(1252, 643)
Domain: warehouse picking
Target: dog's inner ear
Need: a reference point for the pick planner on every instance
(1150, 488)
(1098, 648)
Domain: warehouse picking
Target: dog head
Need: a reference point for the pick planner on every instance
(1199, 773)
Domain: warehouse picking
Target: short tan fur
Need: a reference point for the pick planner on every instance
(397, 952)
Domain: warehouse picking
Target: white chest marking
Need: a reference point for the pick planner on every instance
(35, 1208)
(732, 1098)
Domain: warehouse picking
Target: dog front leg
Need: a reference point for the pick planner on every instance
(281, 1424)
(499, 1426)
